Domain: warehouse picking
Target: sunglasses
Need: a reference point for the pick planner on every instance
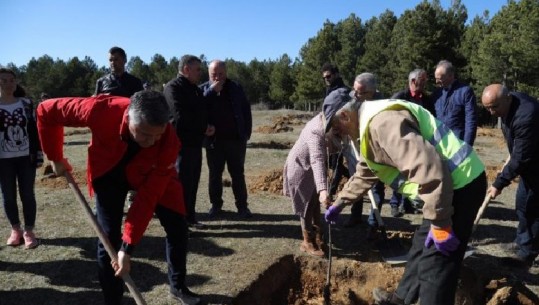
(327, 76)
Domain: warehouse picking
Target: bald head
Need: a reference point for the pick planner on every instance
(496, 99)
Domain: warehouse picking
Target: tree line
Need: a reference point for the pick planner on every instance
(503, 48)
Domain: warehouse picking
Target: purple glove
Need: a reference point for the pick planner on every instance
(332, 214)
(444, 240)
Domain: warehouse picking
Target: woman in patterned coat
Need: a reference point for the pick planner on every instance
(305, 182)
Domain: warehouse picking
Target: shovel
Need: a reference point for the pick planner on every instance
(327, 292)
(391, 250)
(470, 250)
(102, 237)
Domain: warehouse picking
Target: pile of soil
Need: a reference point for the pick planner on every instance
(50, 180)
(283, 123)
(271, 181)
(270, 145)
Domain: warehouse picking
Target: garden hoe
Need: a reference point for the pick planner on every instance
(102, 237)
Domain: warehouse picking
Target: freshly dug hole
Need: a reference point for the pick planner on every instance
(300, 280)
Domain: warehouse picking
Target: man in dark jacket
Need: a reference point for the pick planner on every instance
(230, 115)
(454, 103)
(520, 126)
(118, 82)
(190, 118)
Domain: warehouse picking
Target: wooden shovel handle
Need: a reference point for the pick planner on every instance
(102, 236)
(481, 211)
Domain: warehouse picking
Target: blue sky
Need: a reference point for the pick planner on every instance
(238, 29)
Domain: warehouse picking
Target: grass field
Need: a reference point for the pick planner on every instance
(225, 258)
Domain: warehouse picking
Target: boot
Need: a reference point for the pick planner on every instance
(319, 238)
(309, 245)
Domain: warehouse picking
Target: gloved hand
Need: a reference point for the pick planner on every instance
(332, 214)
(444, 239)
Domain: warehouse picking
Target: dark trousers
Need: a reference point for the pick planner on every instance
(527, 210)
(190, 166)
(232, 153)
(429, 274)
(19, 171)
(110, 198)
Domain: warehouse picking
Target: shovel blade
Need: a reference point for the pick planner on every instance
(392, 251)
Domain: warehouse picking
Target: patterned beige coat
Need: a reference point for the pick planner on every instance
(305, 170)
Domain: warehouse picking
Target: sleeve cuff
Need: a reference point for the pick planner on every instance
(127, 248)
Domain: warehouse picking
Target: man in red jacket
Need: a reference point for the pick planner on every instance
(133, 147)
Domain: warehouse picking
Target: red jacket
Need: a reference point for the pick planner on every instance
(151, 172)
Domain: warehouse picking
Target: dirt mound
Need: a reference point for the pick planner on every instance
(271, 181)
(49, 180)
(283, 123)
(270, 145)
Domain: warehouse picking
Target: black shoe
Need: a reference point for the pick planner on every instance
(353, 221)
(382, 297)
(214, 212)
(185, 296)
(395, 212)
(245, 213)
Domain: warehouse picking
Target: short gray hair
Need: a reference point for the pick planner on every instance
(149, 107)
(415, 74)
(187, 60)
(447, 65)
(367, 79)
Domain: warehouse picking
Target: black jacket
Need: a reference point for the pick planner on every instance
(521, 131)
(125, 85)
(241, 108)
(189, 110)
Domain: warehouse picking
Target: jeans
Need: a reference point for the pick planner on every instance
(430, 275)
(527, 210)
(190, 166)
(110, 197)
(18, 171)
(232, 153)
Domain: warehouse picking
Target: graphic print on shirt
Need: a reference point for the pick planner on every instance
(13, 135)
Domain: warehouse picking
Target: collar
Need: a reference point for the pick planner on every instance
(124, 128)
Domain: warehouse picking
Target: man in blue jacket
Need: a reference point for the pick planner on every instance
(520, 126)
(454, 103)
(230, 115)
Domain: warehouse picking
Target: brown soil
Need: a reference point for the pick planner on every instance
(301, 280)
(283, 123)
(49, 180)
(271, 181)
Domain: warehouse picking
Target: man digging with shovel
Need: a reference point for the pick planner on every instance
(404, 146)
(133, 147)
